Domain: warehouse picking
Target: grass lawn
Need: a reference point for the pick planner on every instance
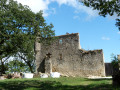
(63, 83)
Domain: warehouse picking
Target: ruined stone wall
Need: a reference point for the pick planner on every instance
(93, 63)
(69, 59)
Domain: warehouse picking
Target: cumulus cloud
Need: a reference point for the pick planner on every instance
(105, 38)
(37, 5)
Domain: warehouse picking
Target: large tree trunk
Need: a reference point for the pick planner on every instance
(116, 79)
(30, 67)
(28, 63)
(116, 74)
(2, 67)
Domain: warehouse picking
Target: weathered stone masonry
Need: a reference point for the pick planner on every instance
(68, 58)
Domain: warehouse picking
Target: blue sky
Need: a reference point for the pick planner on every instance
(96, 32)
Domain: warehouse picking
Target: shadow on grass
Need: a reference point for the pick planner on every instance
(50, 85)
(108, 79)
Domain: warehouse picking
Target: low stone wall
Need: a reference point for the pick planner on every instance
(108, 69)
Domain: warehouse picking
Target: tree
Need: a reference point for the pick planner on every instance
(116, 72)
(14, 23)
(16, 65)
(105, 7)
(19, 28)
(3, 65)
(43, 33)
(114, 63)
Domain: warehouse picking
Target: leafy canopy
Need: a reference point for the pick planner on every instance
(19, 30)
(19, 26)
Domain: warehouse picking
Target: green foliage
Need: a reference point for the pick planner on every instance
(16, 66)
(5, 67)
(105, 7)
(118, 23)
(114, 61)
(13, 26)
(20, 28)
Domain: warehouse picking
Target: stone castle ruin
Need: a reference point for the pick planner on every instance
(66, 57)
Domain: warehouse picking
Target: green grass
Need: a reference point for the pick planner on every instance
(63, 83)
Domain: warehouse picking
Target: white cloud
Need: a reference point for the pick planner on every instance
(76, 17)
(52, 10)
(79, 7)
(37, 5)
(60, 2)
(49, 11)
(105, 38)
(118, 32)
